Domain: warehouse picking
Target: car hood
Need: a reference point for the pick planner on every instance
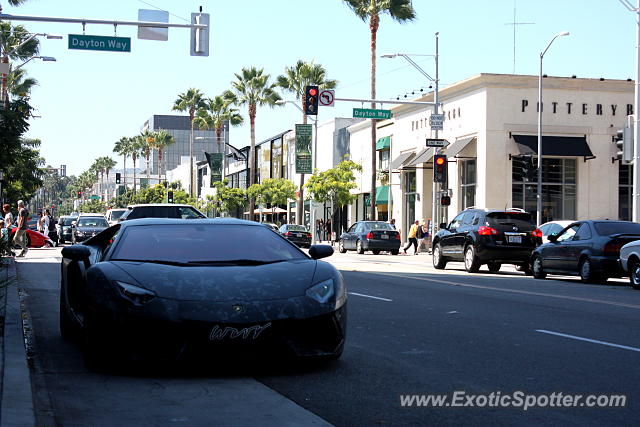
(280, 280)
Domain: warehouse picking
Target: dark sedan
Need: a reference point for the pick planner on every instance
(171, 289)
(86, 227)
(374, 236)
(298, 234)
(63, 227)
(589, 249)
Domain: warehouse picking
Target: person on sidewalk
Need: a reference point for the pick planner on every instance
(420, 235)
(8, 216)
(20, 238)
(412, 238)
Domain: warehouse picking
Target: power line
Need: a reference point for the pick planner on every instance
(156, 7)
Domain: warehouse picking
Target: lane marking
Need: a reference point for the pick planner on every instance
(370, 296)
(573, 337)
(513, 291)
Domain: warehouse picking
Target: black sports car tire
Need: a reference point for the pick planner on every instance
(341, 248)
(634, 275)
(98, 354)
(68, 329)
(494, 267)
(526, 269)
(536, 268)
(471, 261)
(439, 262)
(359, 247)
(376, 251)
(587, 275)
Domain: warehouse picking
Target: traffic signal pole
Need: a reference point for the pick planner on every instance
(434, 206)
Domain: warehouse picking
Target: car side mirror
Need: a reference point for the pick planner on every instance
(320, 251)
(76, 252)
(553, 237)
(443, 226)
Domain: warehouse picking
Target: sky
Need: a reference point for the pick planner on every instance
(88, 100)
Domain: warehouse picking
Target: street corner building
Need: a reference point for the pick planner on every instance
(490, 123)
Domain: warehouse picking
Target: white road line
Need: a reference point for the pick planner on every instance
(573, 337)
(370, 296)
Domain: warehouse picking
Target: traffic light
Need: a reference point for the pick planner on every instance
(624, 144)
(170, 196)
(439, 168)
(117, 177)
(311, 100)
(79, 193)
(445, 200)
(529, 171)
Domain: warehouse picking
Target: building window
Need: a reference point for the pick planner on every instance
(468, 183)
(558, 189)
(383, 160)
(625, 187)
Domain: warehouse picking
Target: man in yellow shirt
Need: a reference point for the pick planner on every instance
(412, 238)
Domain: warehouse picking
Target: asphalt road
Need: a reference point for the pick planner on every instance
(412, 331)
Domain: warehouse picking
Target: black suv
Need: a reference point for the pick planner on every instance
(161, 210)
(484, 236)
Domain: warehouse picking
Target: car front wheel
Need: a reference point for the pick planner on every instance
(634, 275)
(341, 247)
(536, 268)
(438, 261)
(359, 247)
(471, 261)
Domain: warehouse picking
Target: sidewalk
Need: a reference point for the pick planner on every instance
(16, 408)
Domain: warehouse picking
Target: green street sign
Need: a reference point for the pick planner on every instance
(104, 43)
(367, 113)
(95, 197)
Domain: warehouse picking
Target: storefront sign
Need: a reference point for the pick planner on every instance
(579, 108)
(303, 148)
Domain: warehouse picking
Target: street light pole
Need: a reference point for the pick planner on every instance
(539, 188)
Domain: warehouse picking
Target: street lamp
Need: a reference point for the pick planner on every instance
(314, 163)
(539, 189)
(435, 81)
(43, 58)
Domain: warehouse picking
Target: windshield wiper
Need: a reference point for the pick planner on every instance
(234, 262)
(154, 261)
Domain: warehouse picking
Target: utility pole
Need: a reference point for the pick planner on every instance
(436, 99)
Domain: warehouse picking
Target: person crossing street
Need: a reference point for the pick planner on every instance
(413, 231)
(20, 237)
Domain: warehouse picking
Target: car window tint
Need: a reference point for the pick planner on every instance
(545, 228)
(476, 219)
(568, 233)
(115, 215)
(583, 233)
(203, 242)
(352, 229)
(516, 219)
(616, 227)
(294, 227)
(359, 228)
(467, 218)
(187, 212)
(456, 221)
(92, 222)
(373, 225)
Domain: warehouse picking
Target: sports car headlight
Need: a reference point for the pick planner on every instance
(322, 291)
(135, 294)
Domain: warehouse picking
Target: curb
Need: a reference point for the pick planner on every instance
(16, 408)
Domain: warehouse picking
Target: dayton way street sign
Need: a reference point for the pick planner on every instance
(110, 44)
(366, 113)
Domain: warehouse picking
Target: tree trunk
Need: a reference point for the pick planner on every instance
(4, 94)
(252, 162)
(373, 25)
(134, 173)
(124, 172)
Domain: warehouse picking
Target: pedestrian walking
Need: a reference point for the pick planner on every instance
(20, 238)
(328, 228)
(5, 246)
(318, 230)
(392, 223)
(323, 233)
(8, 216)
(420, 235)
(412, 238)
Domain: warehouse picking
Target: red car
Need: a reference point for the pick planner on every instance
(34, 239)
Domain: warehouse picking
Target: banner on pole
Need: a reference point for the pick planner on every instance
(215, 166)
(303, 149)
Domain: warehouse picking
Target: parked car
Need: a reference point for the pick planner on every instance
(63, 228)
(112, 215)
(551, 227)
(161, 210)
(487, 236)
(630, 262)
(35, 239)
(274, 227)
(589, 249)
(374, 236)
(298, 234)
(179, 289)
(86, 226)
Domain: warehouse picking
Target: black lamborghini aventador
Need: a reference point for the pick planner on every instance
(172, 289)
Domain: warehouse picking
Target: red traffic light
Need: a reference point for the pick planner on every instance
(440, 161)
(313, 91)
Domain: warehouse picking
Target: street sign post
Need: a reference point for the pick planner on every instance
(437, 143)
(436, 121)
(104, 43)
(367, 113)
(327, 98)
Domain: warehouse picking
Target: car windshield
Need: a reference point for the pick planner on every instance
(614, 227)
(193, 243)
(92, 221)
(116, 214)
(516, 219)
(378, 225)
(297, 228)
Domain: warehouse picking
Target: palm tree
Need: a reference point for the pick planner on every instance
(370, 10)
(10, 38)
(161, 140)
(147, 138)
(134, 150)
(214, 115)
(252, 88)
(18, 85)
(294, 80)
(190, 101)
(123, 148)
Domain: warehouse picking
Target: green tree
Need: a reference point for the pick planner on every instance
(370, 11)
(23, 174)
(253, 89)
(161, 140)
(123, 147)
(18, 85)
(93, 205)
(295, 80)
(147, 140)
(277, 191)
(229, 199)
(136, 149)
(15, 44)
(191, 101)
(334, 185)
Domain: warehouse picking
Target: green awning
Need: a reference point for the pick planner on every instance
(383, 143)
(382, 195)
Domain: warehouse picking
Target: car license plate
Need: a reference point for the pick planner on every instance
(514, 239)
(384, 236)
(298, 235)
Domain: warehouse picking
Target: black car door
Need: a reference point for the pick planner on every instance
(348, 237)
(554, 253)
(581, 241)
(448, 237)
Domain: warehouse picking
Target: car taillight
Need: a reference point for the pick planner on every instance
(369, 235)
(288, 233)
(487, 231)
(536, 233)
(613, 247)
(397, 236)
